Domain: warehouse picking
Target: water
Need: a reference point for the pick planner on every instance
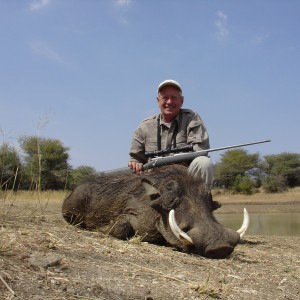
(284, 224)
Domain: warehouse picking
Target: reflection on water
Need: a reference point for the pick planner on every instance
(264, 223)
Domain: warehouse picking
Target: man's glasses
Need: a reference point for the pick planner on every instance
(172, 98)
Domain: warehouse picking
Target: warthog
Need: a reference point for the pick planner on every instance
(147, 205)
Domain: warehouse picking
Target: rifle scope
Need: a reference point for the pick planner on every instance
(155, 153)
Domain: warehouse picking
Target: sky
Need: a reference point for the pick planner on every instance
(86, 72)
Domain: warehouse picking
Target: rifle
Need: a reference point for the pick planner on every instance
(174, 159)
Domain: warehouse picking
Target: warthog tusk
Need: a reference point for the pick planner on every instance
(180, 235)
(245, 224)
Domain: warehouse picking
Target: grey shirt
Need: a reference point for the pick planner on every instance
(191, 130)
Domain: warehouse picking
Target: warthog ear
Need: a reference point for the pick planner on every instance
(153, 192)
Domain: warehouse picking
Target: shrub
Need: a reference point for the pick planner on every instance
(244, 185)
(274, 183)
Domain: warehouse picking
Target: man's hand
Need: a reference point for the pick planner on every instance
(136, 167)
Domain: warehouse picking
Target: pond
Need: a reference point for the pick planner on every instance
(284, 224)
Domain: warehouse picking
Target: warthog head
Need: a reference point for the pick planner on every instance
(186, 219)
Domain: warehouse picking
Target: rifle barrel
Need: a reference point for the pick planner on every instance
(117, 172)
(176, 158)
(238, 146)
(186, 157)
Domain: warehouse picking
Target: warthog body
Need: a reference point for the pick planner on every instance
(145, 205)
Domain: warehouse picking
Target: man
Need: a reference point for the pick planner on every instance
(173, 127)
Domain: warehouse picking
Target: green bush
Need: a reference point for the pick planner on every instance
(274, 184)
(81, 174)
(10, 165)
(233, 166)
(244, 185)
(285, 165)
(45, 163)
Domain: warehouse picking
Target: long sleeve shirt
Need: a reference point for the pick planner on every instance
(188, 125)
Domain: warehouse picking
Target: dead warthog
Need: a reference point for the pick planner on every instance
(164, 206)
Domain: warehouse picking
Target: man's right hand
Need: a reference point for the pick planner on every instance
(136, 167)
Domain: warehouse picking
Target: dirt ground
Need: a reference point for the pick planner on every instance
(42, 257)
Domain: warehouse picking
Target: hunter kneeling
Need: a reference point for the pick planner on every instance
(173, 128)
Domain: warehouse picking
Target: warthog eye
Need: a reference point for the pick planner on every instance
(173, 187)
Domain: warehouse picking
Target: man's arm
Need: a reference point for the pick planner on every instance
(137, 152)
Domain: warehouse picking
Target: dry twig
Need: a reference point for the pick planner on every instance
(8, 287)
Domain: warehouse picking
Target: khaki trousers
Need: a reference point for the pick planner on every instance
(202, 167)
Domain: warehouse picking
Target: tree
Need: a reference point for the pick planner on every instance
(274, 183)
(45, 162)
(284, 167)
(234, 165)
(81, 174)
(244, 184)
(10, 164)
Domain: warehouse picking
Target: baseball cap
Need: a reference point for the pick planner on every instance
(169, 82)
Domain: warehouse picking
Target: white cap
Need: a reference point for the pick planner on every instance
(169, 82)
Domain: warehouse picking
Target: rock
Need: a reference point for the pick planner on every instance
(45, 260)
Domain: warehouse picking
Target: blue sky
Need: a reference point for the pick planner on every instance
(86, 72)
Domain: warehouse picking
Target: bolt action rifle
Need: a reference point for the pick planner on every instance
(157, 158)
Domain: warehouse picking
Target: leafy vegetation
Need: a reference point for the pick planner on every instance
(45, 163)
(239, 171)
(9, 166)
(283, 169)
(244, 173)
(80, 174)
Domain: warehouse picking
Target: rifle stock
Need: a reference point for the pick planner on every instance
(174, 159)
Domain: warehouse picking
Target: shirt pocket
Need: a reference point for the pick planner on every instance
(181, 138)
(151, 145)
(195, 132)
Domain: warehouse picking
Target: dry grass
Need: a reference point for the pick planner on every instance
(291, 195)
(45, 196)
(29, 202)
(42, 257)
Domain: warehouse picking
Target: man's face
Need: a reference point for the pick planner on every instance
(169, 101)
